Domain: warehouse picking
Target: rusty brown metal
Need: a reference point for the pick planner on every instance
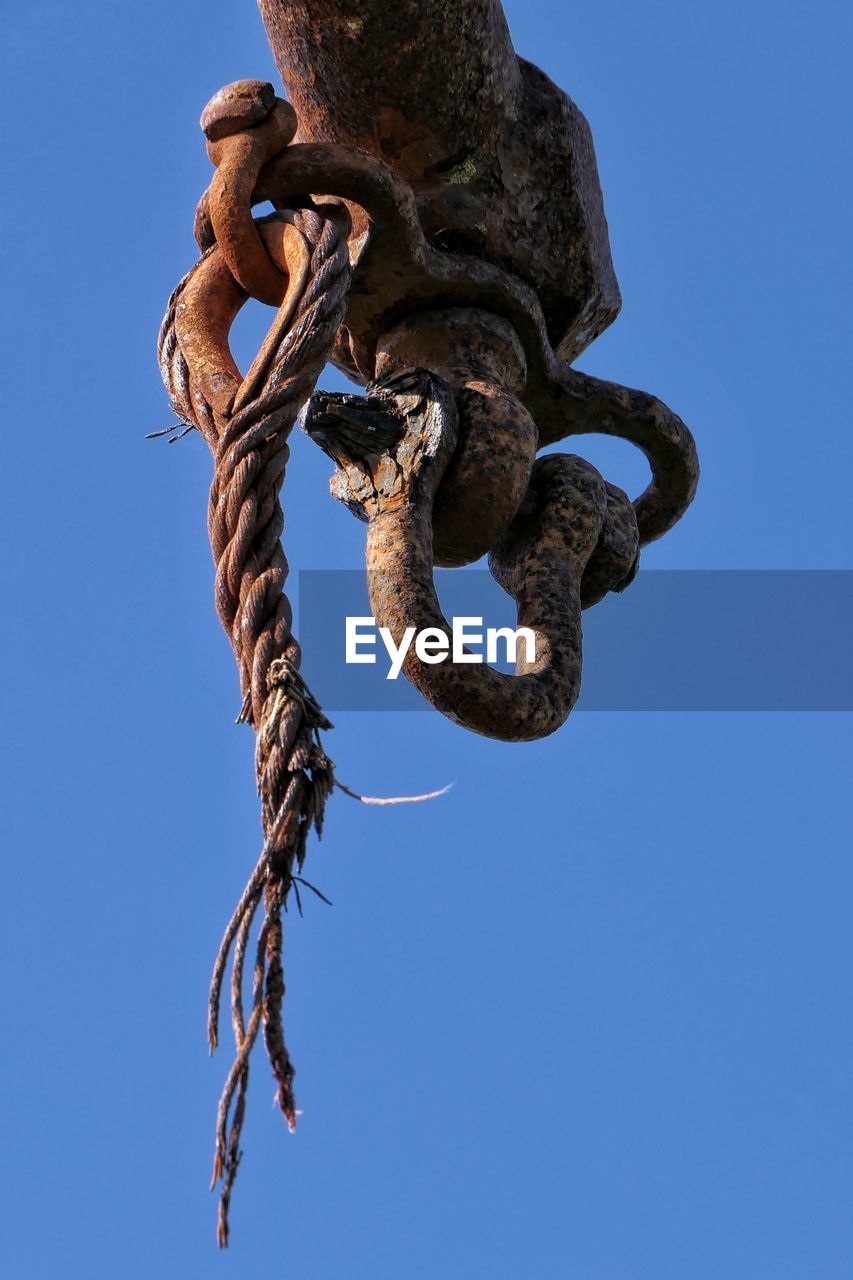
(552, 528)
(239, 156)
(439, 233)
(397, 273)
(500, 159)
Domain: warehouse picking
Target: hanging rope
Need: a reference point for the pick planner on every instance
(246, 423)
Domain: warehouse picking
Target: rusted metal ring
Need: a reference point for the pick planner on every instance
(239, 158)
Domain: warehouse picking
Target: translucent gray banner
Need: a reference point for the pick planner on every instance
(695, 640)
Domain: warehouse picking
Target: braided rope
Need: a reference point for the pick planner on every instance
(294, 775)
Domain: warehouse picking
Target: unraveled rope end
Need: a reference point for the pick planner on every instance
(289, 1112)
(428, 795)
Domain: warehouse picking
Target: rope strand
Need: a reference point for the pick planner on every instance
(245, 521)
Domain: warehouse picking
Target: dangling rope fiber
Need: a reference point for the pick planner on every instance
(245, 521)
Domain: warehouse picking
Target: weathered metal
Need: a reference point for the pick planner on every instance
(500, 159)
(439, 233)
(393, 451)
(397, 273)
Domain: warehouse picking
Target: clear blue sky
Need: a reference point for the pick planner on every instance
(588, 1015)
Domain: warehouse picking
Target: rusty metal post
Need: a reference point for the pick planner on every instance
(501, 160)
(424, 84)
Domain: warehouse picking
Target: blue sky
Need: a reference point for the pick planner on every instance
(588, 1015)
